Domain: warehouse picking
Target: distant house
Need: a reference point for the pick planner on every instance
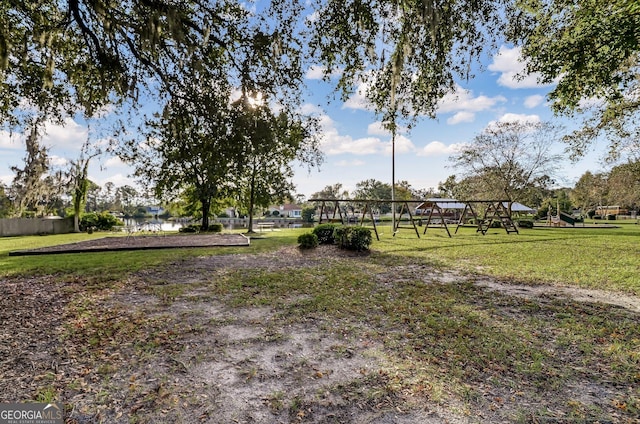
(603, 211)
(287, 211)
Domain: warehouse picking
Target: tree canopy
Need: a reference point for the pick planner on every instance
(61, 56)
(271, 143)
(406, 54)
(188, 144)
(590, 49)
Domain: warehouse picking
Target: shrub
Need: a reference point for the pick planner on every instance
(308, 241)
(496, 224)
(99, 221)
(193, 228)
(324, 232)
(353, 238)
(525, 223)
(215, 228)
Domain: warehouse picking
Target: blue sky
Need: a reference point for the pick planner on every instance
(355, 145)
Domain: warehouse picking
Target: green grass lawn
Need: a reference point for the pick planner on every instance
(603, 258)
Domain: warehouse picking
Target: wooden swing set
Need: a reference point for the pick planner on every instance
(494, 211)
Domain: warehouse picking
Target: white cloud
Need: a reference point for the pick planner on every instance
(336, 144)
(310, 109)
(402, 145)
(12, 141)
(376, 128)
(533, 101)
(358, 99)
(118, 180)
(438, 148)
(58, 161)
(463, 101)
(350, 163)
(317, 73)
(508, 62)
(461, 117)
(312, 17)
(6, 179)
(333, 143)
(518, 117)
(70, 134)
(114, 161)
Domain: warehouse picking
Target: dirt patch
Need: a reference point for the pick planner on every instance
(166, 346)
(542, 292)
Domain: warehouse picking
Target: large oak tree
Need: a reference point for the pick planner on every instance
(59, 56)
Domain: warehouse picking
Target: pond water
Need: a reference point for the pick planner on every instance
(154, 224)
(228, 224)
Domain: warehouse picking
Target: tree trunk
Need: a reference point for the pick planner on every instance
(206, 203)
(252, 191)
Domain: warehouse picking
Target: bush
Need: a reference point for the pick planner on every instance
(308, 241)
(193, 228)
(99, 221)
(353, 238)
(523, 223)
(215, 228)
(496, 224)
(324, 232)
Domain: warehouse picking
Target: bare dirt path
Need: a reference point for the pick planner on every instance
(541, 292)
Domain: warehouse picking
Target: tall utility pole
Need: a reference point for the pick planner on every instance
(393, 177)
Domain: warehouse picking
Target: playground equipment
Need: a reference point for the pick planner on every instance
(561, 219)
(441, 213)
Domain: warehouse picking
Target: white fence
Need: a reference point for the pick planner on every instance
(32, 226)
